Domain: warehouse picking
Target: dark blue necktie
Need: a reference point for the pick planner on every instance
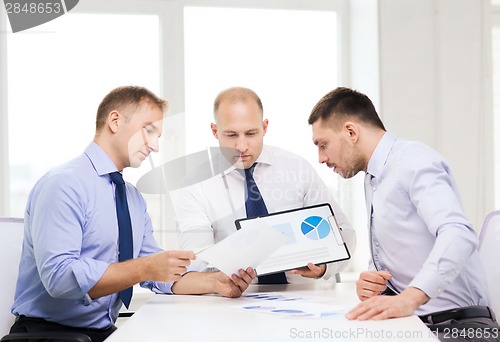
(255, 206)
(124, 228)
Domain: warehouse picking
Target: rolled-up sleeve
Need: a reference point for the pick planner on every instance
(56, 230)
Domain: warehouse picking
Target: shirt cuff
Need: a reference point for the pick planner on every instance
(87, 300)
(156, 287)
(162, 288)
(329, 272)
(87, 273)
(431, 283)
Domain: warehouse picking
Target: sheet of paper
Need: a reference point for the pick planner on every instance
(281, 297)
(242, 249)
(283, 305)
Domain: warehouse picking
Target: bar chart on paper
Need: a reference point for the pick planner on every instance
(315, 228)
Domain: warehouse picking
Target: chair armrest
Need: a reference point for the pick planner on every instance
(125, 314)
(56, 336)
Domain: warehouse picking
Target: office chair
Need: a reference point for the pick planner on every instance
(11, 241)
(489, 245)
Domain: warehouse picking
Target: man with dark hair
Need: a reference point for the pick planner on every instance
(423, 249)
(88, 238)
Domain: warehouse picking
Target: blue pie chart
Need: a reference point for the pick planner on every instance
(315, 228)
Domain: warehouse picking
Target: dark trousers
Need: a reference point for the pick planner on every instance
(25, 324)
(454, 326)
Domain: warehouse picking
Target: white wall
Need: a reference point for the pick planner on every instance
(435, 86)
(4, 157)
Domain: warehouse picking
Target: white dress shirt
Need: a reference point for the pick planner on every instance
(206, 211)
(419, 232)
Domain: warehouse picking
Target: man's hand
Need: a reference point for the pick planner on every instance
(383, 307)
(371, 283)
(311, 271)
(162, 267)
(167, 266)
(233, 287)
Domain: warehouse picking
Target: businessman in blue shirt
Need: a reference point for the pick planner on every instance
(69, 275)
(423, 248)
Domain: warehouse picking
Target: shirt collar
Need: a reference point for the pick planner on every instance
(100, 160)
(380, 155)
(265, 156)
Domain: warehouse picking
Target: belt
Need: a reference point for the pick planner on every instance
(458, 314)
(23, 318)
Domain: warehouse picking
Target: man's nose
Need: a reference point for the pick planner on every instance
(153, 144)
(242, 144)
(322, 157)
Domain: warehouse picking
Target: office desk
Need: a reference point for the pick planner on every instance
(211, 318)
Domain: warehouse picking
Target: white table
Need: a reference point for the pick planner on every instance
(212, 318)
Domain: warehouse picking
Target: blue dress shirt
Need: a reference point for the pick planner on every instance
(71, 237)
(419, 232)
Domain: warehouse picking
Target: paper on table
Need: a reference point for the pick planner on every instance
(296, 308)
(282, 303)
(244, 248)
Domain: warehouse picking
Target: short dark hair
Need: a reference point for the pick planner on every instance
(236, 95)
(127, 99)
(342, 103)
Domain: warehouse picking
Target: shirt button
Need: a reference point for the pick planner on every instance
(440, 290)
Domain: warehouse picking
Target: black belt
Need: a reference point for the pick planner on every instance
(23, 318)
(458, 314)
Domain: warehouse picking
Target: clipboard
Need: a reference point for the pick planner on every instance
(312, 235)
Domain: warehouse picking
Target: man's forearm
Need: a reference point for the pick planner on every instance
(119, 276)
(195, 283)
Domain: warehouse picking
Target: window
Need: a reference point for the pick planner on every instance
(289, 66)
(184, 50)
(57, 76)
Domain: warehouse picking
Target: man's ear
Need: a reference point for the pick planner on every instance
(352, 131)
(113, 121)
(264, 125)
(214, 130)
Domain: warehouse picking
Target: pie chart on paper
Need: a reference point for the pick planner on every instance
(315, 228)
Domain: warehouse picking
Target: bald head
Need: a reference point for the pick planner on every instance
(236, 95)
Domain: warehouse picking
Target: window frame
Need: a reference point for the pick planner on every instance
(170, 13)
(495, 23)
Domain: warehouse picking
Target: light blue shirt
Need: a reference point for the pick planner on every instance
(419, 232)
(71, 237)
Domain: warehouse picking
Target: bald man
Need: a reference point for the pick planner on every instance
(206, 211)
